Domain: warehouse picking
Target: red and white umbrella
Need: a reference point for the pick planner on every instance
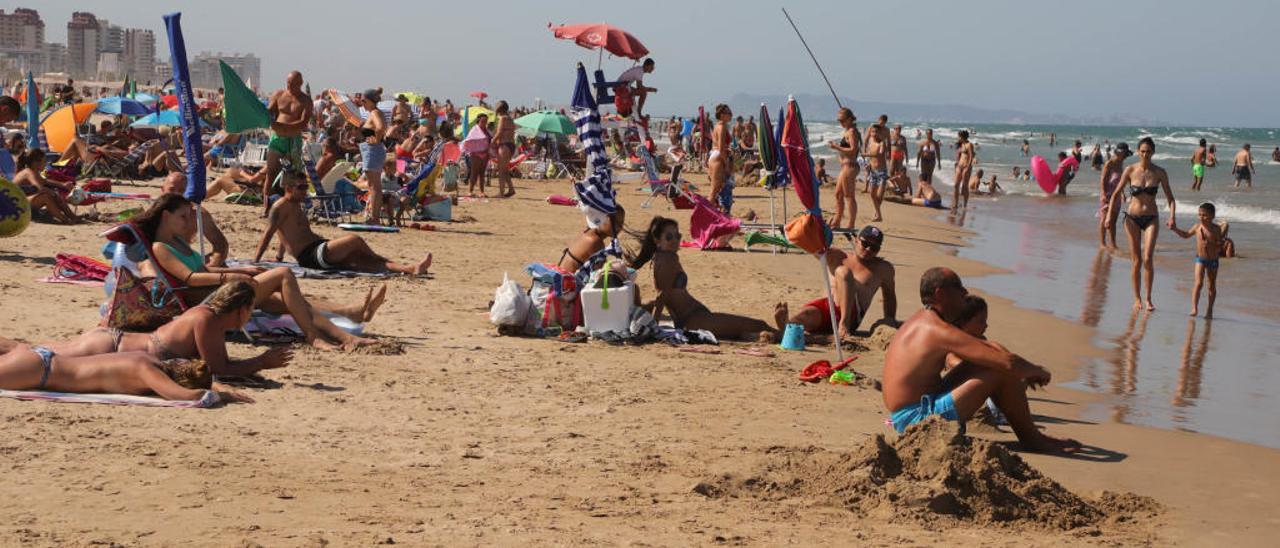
(603, 37)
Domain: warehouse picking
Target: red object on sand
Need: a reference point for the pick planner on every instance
(816, 371)
(599, 35)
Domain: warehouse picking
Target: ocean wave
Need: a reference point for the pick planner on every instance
(1234, 213)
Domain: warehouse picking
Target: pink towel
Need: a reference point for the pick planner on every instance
(708, 225)
(556, 199)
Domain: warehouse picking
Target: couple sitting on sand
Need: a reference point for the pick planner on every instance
(949, 331)
(856, 278)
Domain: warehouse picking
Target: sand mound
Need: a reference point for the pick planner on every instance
(935, 476)
(880, 336)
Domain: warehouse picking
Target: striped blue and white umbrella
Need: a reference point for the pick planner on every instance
(596, 196)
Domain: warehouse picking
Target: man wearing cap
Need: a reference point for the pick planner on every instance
(291, 111)
(854, 281)
(914, 387)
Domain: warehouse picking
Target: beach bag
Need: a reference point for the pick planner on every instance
(510, 304)
(79, 268)
(140, 304)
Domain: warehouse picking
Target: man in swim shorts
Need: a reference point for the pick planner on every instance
(346, 253)
(1242, 166)
(914, 387)
(1197, 165)
(855, 279)
(291, 111)
(877, 154)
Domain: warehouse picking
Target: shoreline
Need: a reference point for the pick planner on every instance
(497, 440)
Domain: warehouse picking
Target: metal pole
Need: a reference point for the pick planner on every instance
(200, 229)
(831, 302)
(815, 58)
(773, 219)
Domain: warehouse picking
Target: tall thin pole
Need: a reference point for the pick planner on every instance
(815, 58)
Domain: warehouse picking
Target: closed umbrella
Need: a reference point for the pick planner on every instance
(546, 121)
(808, 231)
(33, 113)
(60, 125)
(123, 105)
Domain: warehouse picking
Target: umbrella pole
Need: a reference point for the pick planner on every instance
(835, 325)
(600, 59)
(773, 219)
(200, 229)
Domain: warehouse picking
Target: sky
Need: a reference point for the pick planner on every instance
(1178, 61)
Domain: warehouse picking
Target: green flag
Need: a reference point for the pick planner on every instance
(242, 111)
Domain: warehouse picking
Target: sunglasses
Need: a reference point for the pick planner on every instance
(869, 245)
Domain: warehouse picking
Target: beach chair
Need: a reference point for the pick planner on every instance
(123, 167)
(253, 155)
(334, 198)
(603, 97)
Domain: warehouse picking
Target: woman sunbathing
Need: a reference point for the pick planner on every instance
(170, 225)
(661, 243)
(41, 193)
(132, 373)
(200, 332)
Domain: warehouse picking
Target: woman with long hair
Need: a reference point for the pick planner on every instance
(660, 244)
(373, 152)
(1143, 181)
(170, 225)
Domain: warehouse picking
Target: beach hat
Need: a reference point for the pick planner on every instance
(871, 234)
(1123, 147)
(372, 95)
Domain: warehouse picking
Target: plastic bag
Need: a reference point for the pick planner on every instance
(510, 304)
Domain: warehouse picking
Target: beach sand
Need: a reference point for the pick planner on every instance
(468, 438)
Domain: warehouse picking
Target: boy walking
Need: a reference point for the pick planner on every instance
(1208, 249)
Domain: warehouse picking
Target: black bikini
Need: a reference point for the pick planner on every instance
(1142, 221)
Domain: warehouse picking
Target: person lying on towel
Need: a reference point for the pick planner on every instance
(349, 252)
(200, 332)
(131, 373)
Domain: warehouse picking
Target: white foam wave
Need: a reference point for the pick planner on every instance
(1234, 213)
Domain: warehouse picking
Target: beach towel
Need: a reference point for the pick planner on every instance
(708, 226)
(210, 399)
(312, 273)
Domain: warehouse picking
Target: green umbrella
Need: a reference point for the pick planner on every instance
(548, 121)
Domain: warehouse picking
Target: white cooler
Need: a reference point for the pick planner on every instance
(617, 317)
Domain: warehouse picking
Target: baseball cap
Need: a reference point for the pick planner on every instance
(1123, 147)
(372, 95)
(871, 234)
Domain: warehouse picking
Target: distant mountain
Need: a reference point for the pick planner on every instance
(823, 107)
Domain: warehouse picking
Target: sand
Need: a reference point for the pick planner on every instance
(468, 438)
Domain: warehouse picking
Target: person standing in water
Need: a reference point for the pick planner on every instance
(1242, 167)
(1198, 161)
(1209, 246)
(1275, 155)
(964, 167)
(927, 155)
(847, 149)
(877, 154)
(1111, 172)
(1141, 220)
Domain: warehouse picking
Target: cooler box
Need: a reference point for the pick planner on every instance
(617, 317)
(439, 211)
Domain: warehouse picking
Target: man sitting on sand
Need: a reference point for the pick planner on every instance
(349, 252)
(914, 387)
(855, 280)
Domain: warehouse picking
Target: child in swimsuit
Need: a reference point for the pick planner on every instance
(1209, 242)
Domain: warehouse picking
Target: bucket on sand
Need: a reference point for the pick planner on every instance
(793, 337)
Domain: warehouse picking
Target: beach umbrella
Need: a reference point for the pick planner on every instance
(60, 125)
(243, 111)
(596, 197)
(767, 149)
(33, 113)
(546, 121)
(474, 111)
(184, 98)
(479, 95)
(123, 105)
(144, 97)
(602, 37)
(808, 231)
(413, 97)
(350, 112)
(163, 118)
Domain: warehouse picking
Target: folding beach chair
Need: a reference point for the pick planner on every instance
(123, 167)
(334, 198)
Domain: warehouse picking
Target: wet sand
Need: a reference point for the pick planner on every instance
(469, 438)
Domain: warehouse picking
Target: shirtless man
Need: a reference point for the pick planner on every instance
(348, 252)
(855, 279)
(927, 155)
(1197, 164)
(847, 149)
(291, 111)
(636, 75)
(877, 154)
(1242, 166)
(914, 387)
(964, 166)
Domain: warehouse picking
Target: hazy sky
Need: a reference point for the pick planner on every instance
(1208, 63)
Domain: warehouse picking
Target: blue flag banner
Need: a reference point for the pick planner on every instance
(186, 109)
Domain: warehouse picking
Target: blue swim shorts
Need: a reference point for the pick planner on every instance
(935, 404)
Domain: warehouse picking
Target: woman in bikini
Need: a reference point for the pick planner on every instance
(170, 225)
(130, 373)
(505, 142)
(373, 152)
(1143, 181)
(660, 245)
(200, 332)
(1111, 171)
(718, 161)
(591, 241)
(41, 193)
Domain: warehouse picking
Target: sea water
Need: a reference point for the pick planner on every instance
(1160, 369)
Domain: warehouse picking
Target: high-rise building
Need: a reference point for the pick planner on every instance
(82, 45)
(110, 37)
(140, 53)
(205, 72)
(55, 57)
(21, 29)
